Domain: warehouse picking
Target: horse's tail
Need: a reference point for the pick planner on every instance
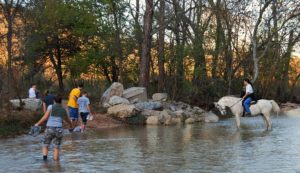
(275, 107)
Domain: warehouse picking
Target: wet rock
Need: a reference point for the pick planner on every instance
(160, 97)
(122, 111)
(29, 104)
(136, 119)
(177, 120)
(167, 118)
(190, 121)
(135, 94)
(116, 89)
(149, 105)
(154, 120)
(116, 100)
(211, 117)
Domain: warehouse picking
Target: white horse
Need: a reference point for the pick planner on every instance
(262, 107)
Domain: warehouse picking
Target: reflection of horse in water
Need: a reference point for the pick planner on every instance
(262, 107)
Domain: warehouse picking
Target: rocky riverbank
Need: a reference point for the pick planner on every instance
(133, 107)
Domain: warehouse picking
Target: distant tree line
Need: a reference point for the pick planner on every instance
(195, 50)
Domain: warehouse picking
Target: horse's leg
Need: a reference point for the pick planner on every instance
(267, 116)
(237, 120)
(265, 121)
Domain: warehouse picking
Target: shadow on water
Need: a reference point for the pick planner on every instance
(186, 148)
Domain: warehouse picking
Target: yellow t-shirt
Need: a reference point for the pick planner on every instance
(73, 101)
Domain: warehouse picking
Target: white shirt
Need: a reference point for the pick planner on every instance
(249, 89)
(32, 93)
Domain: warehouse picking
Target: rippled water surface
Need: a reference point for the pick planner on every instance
(189, 148)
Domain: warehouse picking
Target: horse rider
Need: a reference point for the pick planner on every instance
(247, 97)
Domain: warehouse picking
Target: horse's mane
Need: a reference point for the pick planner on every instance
(230, 97)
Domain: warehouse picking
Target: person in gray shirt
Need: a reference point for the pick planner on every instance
(54, 116)
(84, 109)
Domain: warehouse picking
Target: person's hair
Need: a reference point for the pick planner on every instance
(80, 85)
(46, 92)
(32, 84)
(248, 81)
(58, 98)
(83, 93)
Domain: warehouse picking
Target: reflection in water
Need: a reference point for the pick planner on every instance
(184, 148)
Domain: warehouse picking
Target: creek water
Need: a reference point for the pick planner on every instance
(187, 148)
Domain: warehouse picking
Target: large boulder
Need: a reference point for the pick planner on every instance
(154, 120)
(190, 121)
(116, 100)
(160, 97)
(29, 103)
(122, 111)
(135, 94)
(149, 105)
(116, 89)
(211, 117)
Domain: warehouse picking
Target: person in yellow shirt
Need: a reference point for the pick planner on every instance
(72, 104)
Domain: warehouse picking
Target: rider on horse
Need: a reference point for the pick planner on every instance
(248, 96)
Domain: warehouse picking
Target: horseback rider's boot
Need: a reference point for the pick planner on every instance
(247, 114)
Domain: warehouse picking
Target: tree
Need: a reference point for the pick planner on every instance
(10, 10)
(59, 30)
(146, 45)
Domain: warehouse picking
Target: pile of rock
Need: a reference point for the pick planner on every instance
(133, 107)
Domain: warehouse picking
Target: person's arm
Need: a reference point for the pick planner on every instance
(44, 107)
(246, 94)
(88, 108)
(76, 96)
(44, 118)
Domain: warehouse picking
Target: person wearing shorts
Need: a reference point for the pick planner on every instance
(54, 132)
(84, 109)
(72, 104)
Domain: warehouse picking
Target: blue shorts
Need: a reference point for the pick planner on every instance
(73, 113)
(84, 116)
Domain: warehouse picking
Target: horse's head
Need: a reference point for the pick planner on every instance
(226, 102)
(221, 108)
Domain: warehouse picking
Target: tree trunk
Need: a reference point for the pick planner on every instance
(9, 49)
(161, 46)
(146, 45)
(59, 68)
(114, 69)
(118, 42)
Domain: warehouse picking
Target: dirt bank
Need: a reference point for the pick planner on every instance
(102, 121)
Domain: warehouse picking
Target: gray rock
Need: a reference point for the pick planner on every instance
(160, 97)
(116, 89)
(148, 105)
(122, 111)
(29, 103)
(167, 118)
(116, 100)
(211, 117)
(148, 113)
(135, 94)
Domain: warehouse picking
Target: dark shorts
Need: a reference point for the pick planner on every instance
(73, 113)
(84, 116)
(54, 135)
